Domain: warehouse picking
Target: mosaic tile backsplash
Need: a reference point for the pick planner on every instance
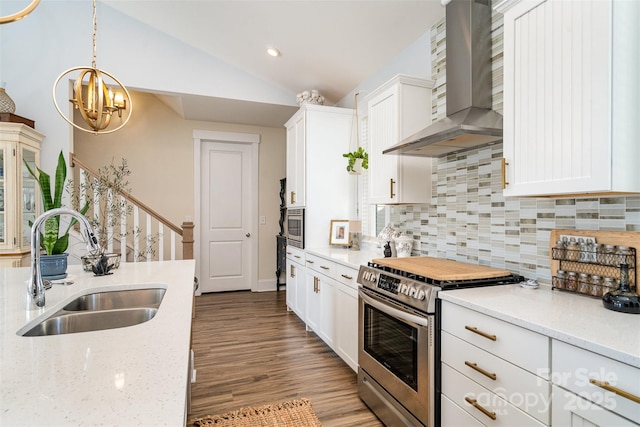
(469, 219)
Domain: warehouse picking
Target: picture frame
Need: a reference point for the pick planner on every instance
(339, 232)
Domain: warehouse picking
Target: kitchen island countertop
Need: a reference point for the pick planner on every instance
(136, 375)
(575, 319)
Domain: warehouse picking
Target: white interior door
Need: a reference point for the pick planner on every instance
(226, 217)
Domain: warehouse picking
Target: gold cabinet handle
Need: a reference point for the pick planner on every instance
(293, 197)
(316, 288)
(504, 173)
(391, 193)
(605, 385)
(480, 408)
(324, 267)
(482, 371)
(292, 271)
(479, 332)
(309, 261)
(288, 253)
(347, 276)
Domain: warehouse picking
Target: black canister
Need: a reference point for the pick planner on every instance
(622, 299)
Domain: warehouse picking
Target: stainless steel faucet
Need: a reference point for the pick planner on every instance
(35, 289)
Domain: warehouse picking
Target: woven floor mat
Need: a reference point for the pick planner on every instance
(294, 413)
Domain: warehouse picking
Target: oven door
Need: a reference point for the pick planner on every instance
(396, 351)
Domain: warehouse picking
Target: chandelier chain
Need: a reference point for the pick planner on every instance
(95, 32)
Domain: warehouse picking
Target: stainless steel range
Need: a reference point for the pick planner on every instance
(398, 334)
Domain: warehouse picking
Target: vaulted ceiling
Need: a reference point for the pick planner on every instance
(328, 45)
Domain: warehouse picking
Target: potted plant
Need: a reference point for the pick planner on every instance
(53, 262)
(357, 161)
(103, 193)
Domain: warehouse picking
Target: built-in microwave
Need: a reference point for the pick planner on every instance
(295, 228)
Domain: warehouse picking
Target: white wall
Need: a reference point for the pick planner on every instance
(57, 36)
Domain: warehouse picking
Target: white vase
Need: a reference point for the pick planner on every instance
(357, 167)
(403, 244)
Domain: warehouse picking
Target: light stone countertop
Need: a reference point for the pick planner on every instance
(130, 376)
(346, 256)
(575, 319)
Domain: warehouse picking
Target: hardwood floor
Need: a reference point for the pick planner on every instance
(250, 351)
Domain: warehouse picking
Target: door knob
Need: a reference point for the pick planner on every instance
(248, 234)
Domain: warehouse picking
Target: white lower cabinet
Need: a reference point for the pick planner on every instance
(495, 373)
(591, 387)
(453, 415)
(489, 374)
(296, 270)
(331, 303)
(571, 410)
(320, 303)
(487, 407)
(346, 315)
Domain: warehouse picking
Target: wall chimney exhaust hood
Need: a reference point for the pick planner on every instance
(470, 121)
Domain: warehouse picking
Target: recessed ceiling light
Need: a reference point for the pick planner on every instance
(273, 51)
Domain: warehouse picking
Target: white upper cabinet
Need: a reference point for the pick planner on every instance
(396, 110)
(317, 177)
(571, 96)
(296, 177)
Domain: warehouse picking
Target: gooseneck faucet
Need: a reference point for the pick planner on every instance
(35, 289)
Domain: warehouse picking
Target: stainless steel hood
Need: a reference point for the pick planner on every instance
(470, 121)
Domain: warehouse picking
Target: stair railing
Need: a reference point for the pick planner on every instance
(157, 245)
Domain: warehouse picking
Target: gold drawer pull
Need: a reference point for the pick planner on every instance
(310, 262)
(483, 334)
(324, 267)
(605, 385)
(288, 253)
(482, 371)
(297, 256)
(347, 276)
(480, 408)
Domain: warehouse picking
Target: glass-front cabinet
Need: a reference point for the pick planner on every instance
(19, 197)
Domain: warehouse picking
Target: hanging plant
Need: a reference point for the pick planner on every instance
(358, 159)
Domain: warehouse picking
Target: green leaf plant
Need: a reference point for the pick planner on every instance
(51, 241)
(360, 153)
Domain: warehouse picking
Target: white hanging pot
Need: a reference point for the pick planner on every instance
(357, 167)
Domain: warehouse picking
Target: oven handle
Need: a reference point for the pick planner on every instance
(394, 312)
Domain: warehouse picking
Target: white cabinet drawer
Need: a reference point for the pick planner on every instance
(321, 265)
(296, 254)
(520, 346)
(574, 369)
(482, 404)
(571, 410)
(521, 388)
(347, 275)
(451, 415)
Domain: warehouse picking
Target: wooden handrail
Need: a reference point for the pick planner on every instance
(73, 160)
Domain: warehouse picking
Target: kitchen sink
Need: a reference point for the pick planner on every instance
(99, 311)
(110, 300)
(63, 322)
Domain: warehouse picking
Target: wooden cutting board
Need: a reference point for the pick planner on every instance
(442, 269)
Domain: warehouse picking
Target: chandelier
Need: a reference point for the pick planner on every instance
(19, 15)
(96, 100)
